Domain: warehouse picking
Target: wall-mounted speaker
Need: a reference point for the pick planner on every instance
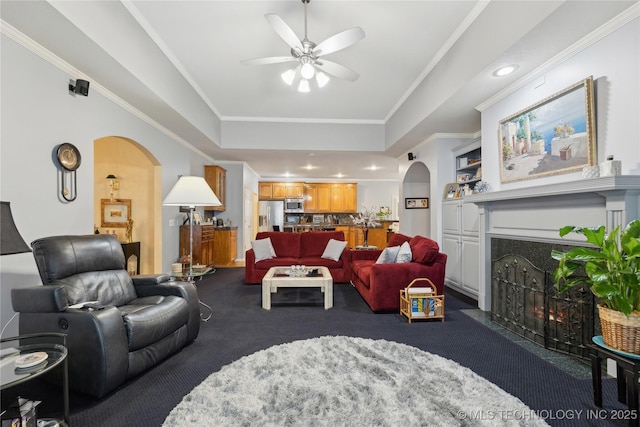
(411, 156)
(80, 87)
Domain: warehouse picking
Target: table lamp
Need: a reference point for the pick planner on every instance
(191, 191)
(11, 242)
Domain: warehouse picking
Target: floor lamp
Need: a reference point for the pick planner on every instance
(191, 191)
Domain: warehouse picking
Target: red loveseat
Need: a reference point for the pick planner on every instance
(380, 284)
(298, 248)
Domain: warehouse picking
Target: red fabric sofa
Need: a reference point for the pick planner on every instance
(380, 284)
(298, 248)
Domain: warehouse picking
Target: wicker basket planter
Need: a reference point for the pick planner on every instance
(619, 331)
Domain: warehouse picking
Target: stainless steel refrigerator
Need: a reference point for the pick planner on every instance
(271, 214)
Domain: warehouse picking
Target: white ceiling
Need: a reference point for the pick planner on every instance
(424, 68)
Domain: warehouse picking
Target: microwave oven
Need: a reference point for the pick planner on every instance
(294, 205)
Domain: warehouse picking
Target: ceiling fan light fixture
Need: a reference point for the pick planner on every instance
(307, 54)
(307, 71)
(322, 79)
(304, 86)
(288, 76)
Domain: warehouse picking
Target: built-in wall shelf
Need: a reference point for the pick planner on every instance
(469, 164)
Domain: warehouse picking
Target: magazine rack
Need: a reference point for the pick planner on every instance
(421, 301)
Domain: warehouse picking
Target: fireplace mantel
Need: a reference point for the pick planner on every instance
(537, 213)
(594, 185)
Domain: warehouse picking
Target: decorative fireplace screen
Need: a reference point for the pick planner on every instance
(525, 302)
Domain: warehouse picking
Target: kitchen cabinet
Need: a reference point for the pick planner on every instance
(348, 236)
(350, 198)
(317, 197)
(461, 244)
(311, 198)
(203, 243)
(337, 198)
(376, 237)
(354, 236)
(294, 190)
(280, 190)
(320, 197)
(216, 177)
(265, 191)
(225, 245)
(344, 198)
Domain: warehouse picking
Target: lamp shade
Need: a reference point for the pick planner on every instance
(11, 242)
(191, 191)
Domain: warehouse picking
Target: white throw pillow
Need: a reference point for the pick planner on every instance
(404, 254)
(388, 255)
(334, 249)
(263, 249)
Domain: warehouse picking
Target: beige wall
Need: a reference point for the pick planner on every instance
(138, 173)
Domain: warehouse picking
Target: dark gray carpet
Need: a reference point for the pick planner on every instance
(239, 327)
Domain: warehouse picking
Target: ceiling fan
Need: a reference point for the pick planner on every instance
(310, 56)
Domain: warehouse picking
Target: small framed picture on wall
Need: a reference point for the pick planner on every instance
(115, 213)
(416, 203)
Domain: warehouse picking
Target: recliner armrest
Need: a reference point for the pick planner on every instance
(186, 290)
(39, 299)
(150, 279)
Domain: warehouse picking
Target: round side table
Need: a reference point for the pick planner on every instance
(11, 376)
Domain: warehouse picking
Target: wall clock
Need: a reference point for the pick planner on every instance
(69, 159)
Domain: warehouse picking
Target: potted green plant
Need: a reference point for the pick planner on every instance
(612, 267)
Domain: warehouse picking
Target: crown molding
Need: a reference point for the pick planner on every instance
(29, 44)
(603, 31)
(466, 23)
(159, 41)
(300, 120)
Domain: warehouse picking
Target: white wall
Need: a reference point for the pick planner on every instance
(38, 114)
(436, 153)
(614, 63)
(374, 194)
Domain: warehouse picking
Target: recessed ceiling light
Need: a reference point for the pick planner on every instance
(339, 175)
(309, 167)
(373, 168)
(506, 70)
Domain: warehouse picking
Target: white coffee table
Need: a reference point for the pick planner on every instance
(278, 277)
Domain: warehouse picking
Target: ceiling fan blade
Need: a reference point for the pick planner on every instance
(337, 70)
(284, 31)
(269, 60)
(339, 41)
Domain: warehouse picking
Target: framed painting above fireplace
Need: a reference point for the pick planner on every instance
(552, 137)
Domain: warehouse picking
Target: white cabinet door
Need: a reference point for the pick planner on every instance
(451, 247)
(470, 218)
(470, 265)
(451, 217)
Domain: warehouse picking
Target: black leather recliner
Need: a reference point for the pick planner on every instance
(134, 323)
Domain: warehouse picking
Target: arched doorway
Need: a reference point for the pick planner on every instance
(139, 176)
(416, 184)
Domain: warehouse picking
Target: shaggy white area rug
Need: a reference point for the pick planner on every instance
(337, 381)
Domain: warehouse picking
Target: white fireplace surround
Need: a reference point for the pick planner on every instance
(537, 213)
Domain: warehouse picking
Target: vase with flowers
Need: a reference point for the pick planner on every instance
(366, 219)
(383, 213)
